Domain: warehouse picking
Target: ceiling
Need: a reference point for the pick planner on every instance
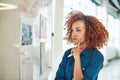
(114, 3)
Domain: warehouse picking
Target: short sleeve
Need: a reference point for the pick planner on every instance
(60, 74)
(92, 70)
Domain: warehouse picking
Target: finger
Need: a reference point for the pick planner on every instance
(72, 51)
(78, 44)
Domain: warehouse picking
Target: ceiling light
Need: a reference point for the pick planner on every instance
(4, 6)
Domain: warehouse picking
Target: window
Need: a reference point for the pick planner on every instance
(111, 29)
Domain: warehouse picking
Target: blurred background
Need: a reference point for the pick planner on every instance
(32, 36)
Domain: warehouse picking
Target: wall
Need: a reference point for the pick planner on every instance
(9, 36)
(9, 52)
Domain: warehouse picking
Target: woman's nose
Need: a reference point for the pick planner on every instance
(74, 33)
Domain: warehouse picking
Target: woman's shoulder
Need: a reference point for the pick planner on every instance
(97, 54)
(68, 52)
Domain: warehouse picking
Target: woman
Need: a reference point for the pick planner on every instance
(84, 61)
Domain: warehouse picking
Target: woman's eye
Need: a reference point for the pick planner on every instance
(71, 30)
(78, 30)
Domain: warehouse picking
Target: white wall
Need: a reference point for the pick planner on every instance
(9, 54)
(9, 35)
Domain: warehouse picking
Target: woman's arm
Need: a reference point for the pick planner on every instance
(60, 74)
(93, 68)
(78, 75)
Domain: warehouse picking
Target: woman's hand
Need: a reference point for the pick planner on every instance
(76, 50)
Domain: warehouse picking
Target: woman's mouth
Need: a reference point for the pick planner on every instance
(75, 40)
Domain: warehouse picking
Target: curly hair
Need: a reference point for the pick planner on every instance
(96, 35)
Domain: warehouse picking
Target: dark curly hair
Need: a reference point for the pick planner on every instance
(96, 35)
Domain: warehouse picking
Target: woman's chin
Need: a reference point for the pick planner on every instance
(75, 43)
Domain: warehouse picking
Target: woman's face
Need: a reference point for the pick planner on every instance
(78, 32)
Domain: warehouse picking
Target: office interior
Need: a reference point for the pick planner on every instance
(32, 36)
